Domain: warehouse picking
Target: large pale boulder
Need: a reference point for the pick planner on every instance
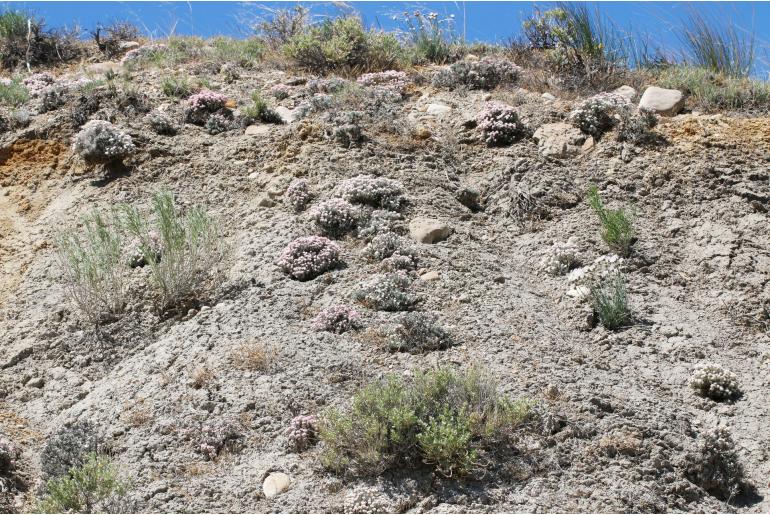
(665, 102)
(275, 484)
(428, 230)
(559, 140)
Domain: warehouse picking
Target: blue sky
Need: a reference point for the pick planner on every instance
(478, 21)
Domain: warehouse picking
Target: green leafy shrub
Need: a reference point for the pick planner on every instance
(617, 228)
(452, 421)
(95, 273)
(13, 93)
(192, 252)
(176, 86)
(259, 111)
(609, 299)
(342, 45)
(94, 487)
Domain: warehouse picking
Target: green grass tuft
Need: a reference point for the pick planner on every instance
(617, 229)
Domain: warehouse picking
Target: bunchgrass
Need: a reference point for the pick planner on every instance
(13, 94)
(617, 228)
(451, 421)
(95, 273)
(712, 91)
(185, 251)
(176, 86)
(609, 299)
(719, 47)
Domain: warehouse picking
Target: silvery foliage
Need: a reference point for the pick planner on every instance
(561, 257)
(308, 257)
(298, 194)
(302, 432)
(217, 124)
(486, 73)
(499, 124)
(377, 192)
(714, 464)
(714, 381)
(418, 332)
(69, 448)
(335, 217)
(600, 113)
(100, 141)
(211, 437)
(161, 124)
(604, 267)
(388, 292)
(397, 250)
(336, 319)
(390, 79)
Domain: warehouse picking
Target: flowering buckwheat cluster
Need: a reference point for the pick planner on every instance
(280, 91)
(602, 268)
(366, 499)
(486, 73)
(335, 217)
(561, 257)
(598, 114)
(336, 319)
(206, 101)
(214, 436)
(390, 79)
(715, 465)
(376, 221)
(391, 247)
(388, 292)
(713, 381)
(101, 142)
(298, 194)
(308, 257)
(302, 432)
(38, 83)
(418, 332)
(377, 192)
(161, 124)
(330, 85)
(499, 124)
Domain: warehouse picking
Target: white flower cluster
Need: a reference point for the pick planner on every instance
(366, 499)
(298, 194)
(714, 381)
(561, 257)
(302, 431)
(160, 123)
(499, 124)
(390, 79)
(308, 257)
(336, 319)
(101, 142)
(486, 73)
(38, 83)
(584, 277)
(388, 292)
(335, 217)
(598, 114)
(394, 248)
(377, 192)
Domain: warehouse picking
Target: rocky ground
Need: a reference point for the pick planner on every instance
(627, 420)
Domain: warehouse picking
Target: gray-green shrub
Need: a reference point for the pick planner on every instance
(609, 299)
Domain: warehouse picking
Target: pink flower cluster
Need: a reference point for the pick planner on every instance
(302, 431)
(308, 257)
(499, 124)
(206, 101)
(336, 319)
(38, 82)
(391, 79)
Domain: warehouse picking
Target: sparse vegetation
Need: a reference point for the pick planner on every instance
(24, 40)
(451, 421)
(617, 228)
(417, 333)
(193, 253)
(176, 86)
(13, 93)
(609, 299)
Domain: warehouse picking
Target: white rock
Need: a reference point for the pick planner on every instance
(430, 276)
(438, 109)
(626, 91)
(559, 140)
(286, 114)
(428, 230)
(665, 102)
(547, 96)
(275, 484)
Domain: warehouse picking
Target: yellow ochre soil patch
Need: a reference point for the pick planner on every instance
(718, 130)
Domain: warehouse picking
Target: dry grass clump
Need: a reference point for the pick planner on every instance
(253, 355)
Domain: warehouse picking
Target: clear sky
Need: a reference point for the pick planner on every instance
(478, 21)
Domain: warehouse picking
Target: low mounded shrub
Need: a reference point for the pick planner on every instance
(298, 195)
(161, 124)
(599, 114)
(417, 333)
(335, 217)
(399, 252)
(69, 448)
(713, 381)
(715, 465)
(337, 319)
(499, 124)
(217, 124)
(308, 257)
(486, 73)
(100, 142)
(204, 103)
(453, 422)
(377, 192)
(302, 432)
(388, 292)
(390, 79)
(561, 258)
